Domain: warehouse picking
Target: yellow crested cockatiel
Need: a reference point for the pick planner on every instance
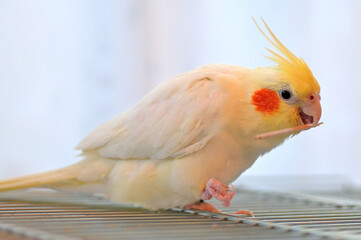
(194, 134)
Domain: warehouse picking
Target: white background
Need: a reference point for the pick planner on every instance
(67, 66)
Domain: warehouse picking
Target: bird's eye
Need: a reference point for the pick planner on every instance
(286, 94)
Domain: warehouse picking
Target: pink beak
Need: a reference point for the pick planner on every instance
(311, 112)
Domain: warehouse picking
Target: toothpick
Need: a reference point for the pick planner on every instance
(286, 131)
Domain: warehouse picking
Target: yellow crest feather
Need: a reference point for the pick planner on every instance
(295, 69)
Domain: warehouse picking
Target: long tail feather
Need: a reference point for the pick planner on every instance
(42, 179)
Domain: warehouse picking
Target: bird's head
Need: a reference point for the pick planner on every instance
(286, 98)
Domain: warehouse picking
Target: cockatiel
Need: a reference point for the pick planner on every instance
(190, 137)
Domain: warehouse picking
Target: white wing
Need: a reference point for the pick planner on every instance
(176, 119)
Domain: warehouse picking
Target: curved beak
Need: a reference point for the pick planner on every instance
(311, 112)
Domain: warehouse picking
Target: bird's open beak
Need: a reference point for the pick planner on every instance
(311, 112)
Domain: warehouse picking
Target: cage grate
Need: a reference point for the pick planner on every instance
(279, 215)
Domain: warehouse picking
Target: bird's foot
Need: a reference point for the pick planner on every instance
(204, 207)
(219, 191)
(211, 208)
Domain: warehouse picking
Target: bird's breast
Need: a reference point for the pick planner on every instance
(223, 158)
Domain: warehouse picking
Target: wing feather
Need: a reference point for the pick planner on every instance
(176, 119)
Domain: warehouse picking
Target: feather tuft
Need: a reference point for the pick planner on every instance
(293, 68)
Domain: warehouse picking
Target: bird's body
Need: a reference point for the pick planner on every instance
(198, 126)
(206, 142)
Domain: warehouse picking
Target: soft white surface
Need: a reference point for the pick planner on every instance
(67, 66)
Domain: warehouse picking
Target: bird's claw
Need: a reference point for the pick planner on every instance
(219, 191)
(211, 208)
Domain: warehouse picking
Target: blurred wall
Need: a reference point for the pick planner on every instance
(67, 66)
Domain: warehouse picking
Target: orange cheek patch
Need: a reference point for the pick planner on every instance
(266, 101)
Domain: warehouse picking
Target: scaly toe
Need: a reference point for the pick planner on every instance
(219, 191)
(204, 207)
(246, 212)
(226, 200)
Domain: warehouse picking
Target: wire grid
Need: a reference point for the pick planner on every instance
(320, 214)
(51, 215)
